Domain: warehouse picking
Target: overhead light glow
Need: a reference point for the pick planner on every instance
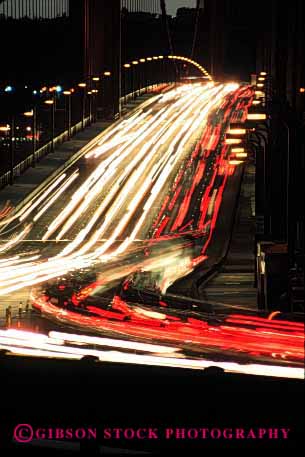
(237, 150)
(235, 162)
(241, 155)
(237, 131)
(233, 140)
(256, 116)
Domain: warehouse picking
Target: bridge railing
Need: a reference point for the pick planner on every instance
(47, 148)
(30, 161)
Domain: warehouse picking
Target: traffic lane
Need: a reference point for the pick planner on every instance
(219, 243)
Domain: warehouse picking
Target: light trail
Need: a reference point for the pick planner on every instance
(54, 346)
(140, 138)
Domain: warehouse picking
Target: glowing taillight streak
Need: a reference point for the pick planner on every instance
(42, 271)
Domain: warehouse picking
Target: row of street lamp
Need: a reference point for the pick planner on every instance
(89, 87)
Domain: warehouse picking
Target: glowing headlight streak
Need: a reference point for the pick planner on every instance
(98, 174)
(30, 337)
(16, 239)
(123, 344)
(74, 261)
(42, 197)
(155, 190)
(140, 171)
(132, 205)
(57, 194)
(48, 350)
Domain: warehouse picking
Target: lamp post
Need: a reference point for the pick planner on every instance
(33, 115)
(162, 70)
(125, 74)
(149, 60)
(12, 149)
(94, 90)
(83, 104)
(143, 75)
(68, 94)
(134, 79)
(108, 95)
(94, 95)
(284, 123)
(51, 103)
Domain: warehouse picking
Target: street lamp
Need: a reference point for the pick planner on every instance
(143, 75)
(51, 103)
(135, 80)
(126, 66)
(83, 110)
(68, 94)
(94, 93)
(33, 115)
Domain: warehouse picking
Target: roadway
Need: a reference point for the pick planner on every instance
(110, 194)
(141, 205)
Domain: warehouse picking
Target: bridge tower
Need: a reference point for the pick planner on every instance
(97, 25)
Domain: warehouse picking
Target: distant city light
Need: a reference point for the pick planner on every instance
(8, 89)
(4, 128)
(35, 92)
(58, 89)
(302, 89)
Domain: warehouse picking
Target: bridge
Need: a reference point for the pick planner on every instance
(135, 203)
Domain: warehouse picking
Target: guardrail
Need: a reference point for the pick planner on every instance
(63, 167)
(215, 269)
(30, 161)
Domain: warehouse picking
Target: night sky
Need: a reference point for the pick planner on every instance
(172, 5)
